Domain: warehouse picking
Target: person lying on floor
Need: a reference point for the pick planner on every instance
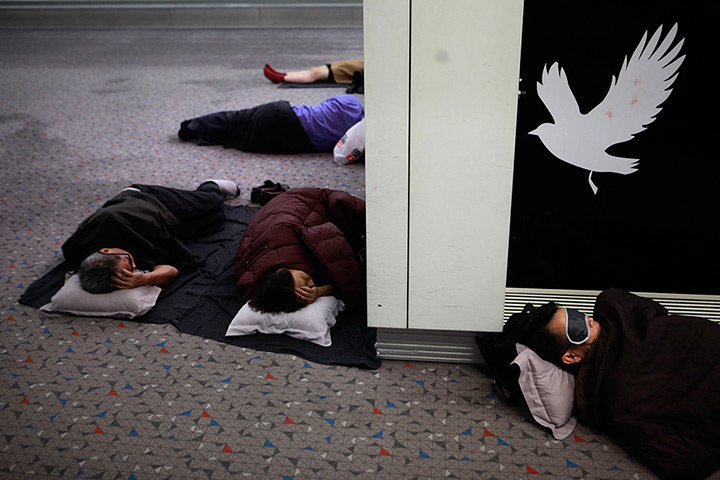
(277, 127)
(336, 72)
(143, 229)
(649, 378)
(303, 245)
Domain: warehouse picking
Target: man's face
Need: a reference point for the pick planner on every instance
(126, 260)
(574, 353)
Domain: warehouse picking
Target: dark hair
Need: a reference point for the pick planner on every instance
(537, 335)
(95, 273)
(275, 292)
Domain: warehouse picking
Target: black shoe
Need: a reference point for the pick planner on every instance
(262, 194)
(358, 83)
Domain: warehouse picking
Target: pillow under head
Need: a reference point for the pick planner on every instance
(311, 323)
(548, 390)
(126, 303)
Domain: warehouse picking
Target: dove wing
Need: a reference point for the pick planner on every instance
(642, 86)
(554, 91)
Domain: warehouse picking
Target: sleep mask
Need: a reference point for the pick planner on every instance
(577, 326)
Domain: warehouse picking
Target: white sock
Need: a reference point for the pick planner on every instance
(228, 187)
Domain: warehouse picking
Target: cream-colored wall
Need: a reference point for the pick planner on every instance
(387, 47)
(440, 203)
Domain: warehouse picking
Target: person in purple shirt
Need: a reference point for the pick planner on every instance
(277, 127)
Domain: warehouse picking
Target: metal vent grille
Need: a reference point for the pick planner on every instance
(459, 347)
(706, 306)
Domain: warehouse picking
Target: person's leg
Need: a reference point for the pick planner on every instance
(216, 128)
(315, 74)
(268, 67)
(227, 187)
(274, 128)
(198, 211)
(185, 133)
(187, 204)
(273, 75)
(343, 71)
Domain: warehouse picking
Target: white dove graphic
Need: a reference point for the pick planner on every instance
(629, 107)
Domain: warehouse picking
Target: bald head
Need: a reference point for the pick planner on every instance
(557, 326)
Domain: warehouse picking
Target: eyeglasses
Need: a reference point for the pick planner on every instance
(577, 326)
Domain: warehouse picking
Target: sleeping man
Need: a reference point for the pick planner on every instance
(277, 127)
(649, 378)
(302, 245)
(136, 238)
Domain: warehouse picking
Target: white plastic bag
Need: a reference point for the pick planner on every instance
(351, 146)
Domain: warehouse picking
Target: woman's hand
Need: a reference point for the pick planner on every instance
(308, 294)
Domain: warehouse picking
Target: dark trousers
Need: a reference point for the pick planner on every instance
(268, 128)
(199, 211)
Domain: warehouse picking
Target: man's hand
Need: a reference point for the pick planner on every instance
(124, 279)
(308, 294)
(161, 276)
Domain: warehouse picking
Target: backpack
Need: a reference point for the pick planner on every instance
(498, 350)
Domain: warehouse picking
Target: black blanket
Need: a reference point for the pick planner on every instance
(203, 302)
(652, 380)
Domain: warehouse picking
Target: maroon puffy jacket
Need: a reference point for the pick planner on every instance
(310, 229)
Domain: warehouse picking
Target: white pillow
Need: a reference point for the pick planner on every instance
(548, 390)
(311, 323)
(130, 303)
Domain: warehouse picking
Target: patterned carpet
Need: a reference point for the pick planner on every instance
(83, 114)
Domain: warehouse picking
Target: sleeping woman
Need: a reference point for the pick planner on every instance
(303, 245)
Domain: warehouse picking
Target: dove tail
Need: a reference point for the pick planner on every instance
(612, 164)
(623, 166)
